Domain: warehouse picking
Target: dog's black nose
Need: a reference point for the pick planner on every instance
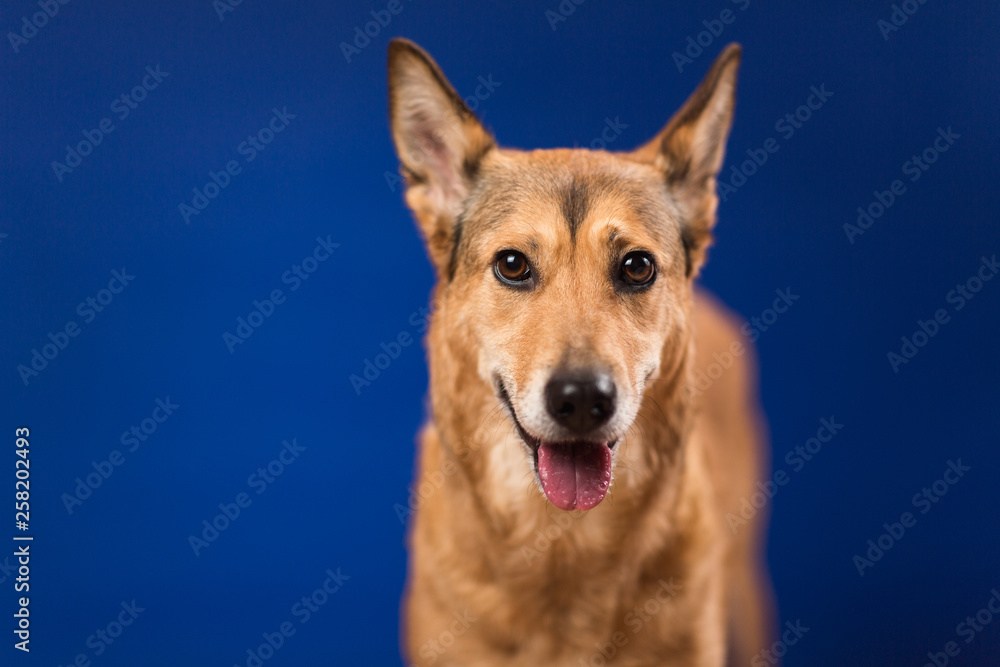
(581, 401)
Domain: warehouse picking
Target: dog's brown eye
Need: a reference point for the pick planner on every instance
(638, 268)
(512, 267)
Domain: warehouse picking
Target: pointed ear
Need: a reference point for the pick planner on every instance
(690, 149)
(439, 141)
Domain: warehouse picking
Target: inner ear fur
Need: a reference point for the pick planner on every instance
(690, 149)
(440, 144)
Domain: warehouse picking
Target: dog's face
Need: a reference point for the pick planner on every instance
(569, 270)
(571, 283)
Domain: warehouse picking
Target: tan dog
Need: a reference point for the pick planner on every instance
(579, 485)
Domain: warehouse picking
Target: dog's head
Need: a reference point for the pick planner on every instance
(567, 272)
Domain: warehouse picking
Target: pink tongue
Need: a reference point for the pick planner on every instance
(575, 475)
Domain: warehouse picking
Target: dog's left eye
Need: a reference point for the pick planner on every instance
(638, 268)
(512, 268)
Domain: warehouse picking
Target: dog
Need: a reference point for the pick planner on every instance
(577, 482)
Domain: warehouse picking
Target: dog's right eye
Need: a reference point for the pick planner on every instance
(512, 268)
(638, 269)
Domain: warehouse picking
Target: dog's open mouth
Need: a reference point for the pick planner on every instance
(574, 475)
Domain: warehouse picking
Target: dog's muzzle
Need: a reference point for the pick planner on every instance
(575, 473)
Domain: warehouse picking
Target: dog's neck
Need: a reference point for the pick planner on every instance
(539, 569)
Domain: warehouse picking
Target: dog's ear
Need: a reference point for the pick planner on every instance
(690, 149)
(439, 141)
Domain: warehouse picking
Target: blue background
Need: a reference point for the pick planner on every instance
(325, 176)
